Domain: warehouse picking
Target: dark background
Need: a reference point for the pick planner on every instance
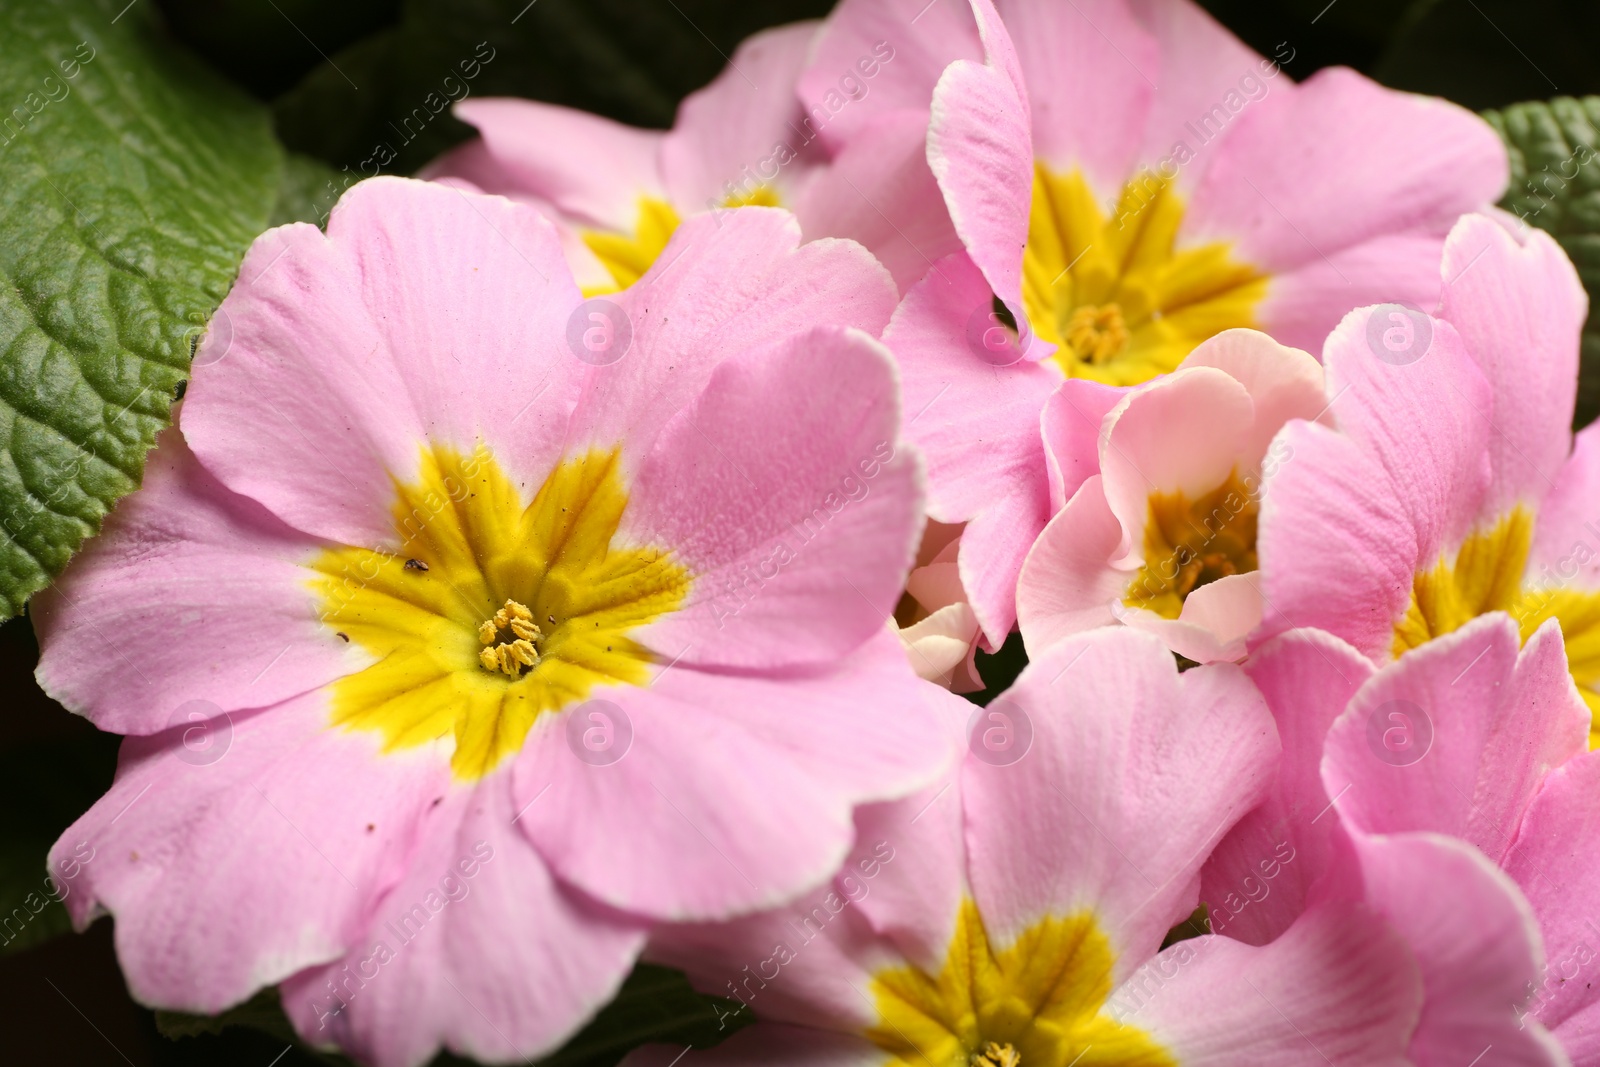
(336, 74)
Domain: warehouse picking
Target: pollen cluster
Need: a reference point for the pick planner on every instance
(511, 656)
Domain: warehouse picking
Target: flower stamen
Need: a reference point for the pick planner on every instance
(509, 656)
(996, 1055)
(1097, 334)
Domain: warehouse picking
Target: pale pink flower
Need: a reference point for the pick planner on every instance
(1163, 493)
(1015, 914)
(452, 660)
(1468, 737)
(753, 136)
(1443, 481)
(1128, 179)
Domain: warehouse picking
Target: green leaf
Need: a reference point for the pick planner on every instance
(132, 179)
(308, 192)
(656, 1005)
(1555, 185)
(382, 104)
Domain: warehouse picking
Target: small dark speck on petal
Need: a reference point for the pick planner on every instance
(344, 637)
(416, 565)
(552, 618)
(371, 826)
(437, 801)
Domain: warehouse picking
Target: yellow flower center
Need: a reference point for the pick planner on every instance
(627, 257)
(1116, 294)
(509, 655)
(495, 609)
(1096, 334)
(1487, 574)
(1191, 543)
(996, 1055)
(1039, 1002)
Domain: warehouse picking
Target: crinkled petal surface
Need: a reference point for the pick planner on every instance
(1133, 775)
(798, 526)
(476, 948)
(737, 791)
(349, 349)
(178, 846)
(185, 556)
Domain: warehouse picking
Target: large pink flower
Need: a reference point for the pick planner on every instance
(1016, 913)
(1162, 494)
(753, 136)
(1444, 482)
(453, 659)
(1468, 737)
(1128, 180)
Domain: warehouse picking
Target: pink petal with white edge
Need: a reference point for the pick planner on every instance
(1554, 860)
(1475, 943)
(786, 493)
(980, 148)
(1066, 586)
(1338, 988)
(920, 40)
(724, 141)
(768, 1045)
(550, 152)
(1284, 383)
(737, 792)
(977, 425)
(1182, 433)
(1091, 71)
(1133, 774)
(1519, 308)
(879, 191)
(1214, 623)
(1200, 64)
(339, 344)
(809, 963)
(1071, 426)
(177, 847)
(1566, 539)
(1284, 209)
(1351, 516)
(1305, 304)
(1264, 874)
(731, 283)
(182, 556)
(483, 953)
(1455, 737)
